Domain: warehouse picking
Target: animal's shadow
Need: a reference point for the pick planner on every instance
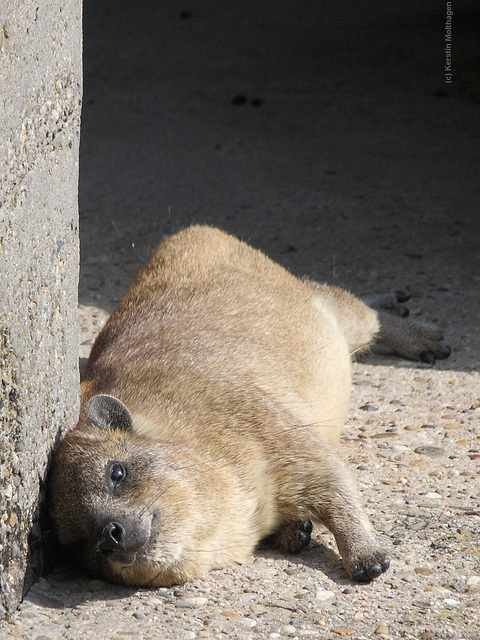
(316, 556)
(68, 587)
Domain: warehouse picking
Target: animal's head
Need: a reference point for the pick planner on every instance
(123, 505)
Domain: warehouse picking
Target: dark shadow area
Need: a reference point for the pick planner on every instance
(324, 134)
(72, 588)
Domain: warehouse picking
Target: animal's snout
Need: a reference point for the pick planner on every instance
(119, 541)
(111, 539)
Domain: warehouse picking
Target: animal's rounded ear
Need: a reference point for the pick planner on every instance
(107, 412)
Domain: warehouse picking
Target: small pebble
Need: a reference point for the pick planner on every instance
(289, 630)
(139, 615)
(368, 407)
(384, 434)
(381, 628)
(195, 601)
(248, 622)
(416, 526)
(324, 594)
(418, 463)
(424, 571)
(451, 602)
(432, 452)
(28, 614)
(433, 495)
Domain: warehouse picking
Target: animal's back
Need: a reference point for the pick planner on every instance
(207, 323)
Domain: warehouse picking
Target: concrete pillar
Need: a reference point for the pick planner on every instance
(40, 98)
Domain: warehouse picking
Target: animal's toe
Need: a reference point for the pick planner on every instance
(437, 350)
(402, 296)
(443, 351)
(369, 569)
(291, 537)
(428, 357)
(301, 537)
(306, 526)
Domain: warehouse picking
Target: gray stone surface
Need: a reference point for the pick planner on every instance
(40, 96)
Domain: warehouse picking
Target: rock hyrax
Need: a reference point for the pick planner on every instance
(209, 407)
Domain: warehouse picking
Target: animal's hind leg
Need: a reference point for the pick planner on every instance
(358, 321)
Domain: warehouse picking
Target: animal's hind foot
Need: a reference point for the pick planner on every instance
(408, 338)
(391, 301)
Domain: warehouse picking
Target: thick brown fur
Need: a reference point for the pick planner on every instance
(235, 377)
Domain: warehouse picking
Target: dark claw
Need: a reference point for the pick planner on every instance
(302, 538)
(445, 352)
(365, 575)
(368, 573)
(401, 296)
(428, 357)
(291, 537)
(403, 312)
(305, 525)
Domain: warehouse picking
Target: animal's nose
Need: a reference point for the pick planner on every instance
(111, 539)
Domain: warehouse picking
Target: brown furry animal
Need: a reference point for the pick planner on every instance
(236, 376)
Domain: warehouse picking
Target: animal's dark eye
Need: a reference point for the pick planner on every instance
(117, 473)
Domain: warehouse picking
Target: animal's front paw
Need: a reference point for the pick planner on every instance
(370, 567)
(297, 536)
(291, 537)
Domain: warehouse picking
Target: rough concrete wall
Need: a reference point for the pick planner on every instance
(40, 93)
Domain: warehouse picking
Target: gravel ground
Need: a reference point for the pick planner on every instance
(327, 137)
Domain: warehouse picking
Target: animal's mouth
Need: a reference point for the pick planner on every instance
(123, 545)
(123, 559)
